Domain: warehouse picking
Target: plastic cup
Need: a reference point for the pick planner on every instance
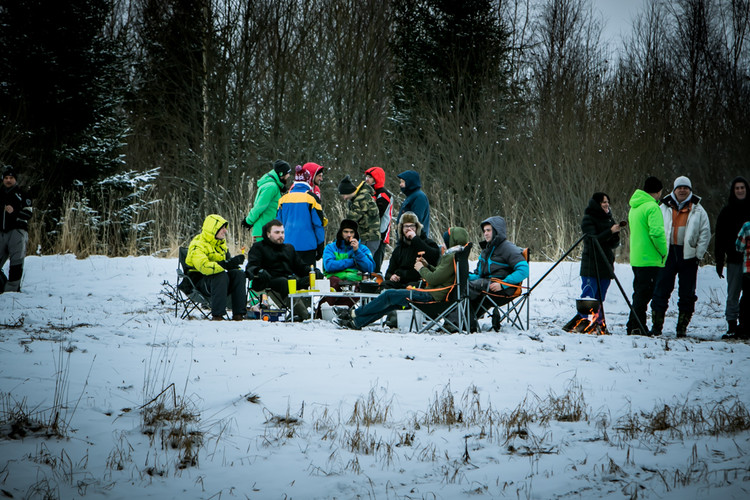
(292, 283)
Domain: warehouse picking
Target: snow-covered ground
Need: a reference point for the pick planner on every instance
(271, 410)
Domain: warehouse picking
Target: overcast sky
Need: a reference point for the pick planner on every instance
(617, 18)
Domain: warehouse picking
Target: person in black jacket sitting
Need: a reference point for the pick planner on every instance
(412, 243)
(271, 263)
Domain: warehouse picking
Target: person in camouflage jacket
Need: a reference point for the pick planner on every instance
(363, 210)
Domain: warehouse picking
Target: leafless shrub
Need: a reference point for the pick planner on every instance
(727, 421)
(370, 410)
(175, 420)
(361, 441)
(120, 455)
(442, 410)
(570, 407)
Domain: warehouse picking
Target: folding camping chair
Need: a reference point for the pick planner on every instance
(187, 293)
(457, 300)
(509, 304)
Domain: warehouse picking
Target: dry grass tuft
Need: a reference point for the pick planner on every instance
(370, 410)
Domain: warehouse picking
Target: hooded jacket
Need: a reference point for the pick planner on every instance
(22, 209)
(363, 210)
(697, 228)
(648, 241)
(731, 218)
(313, 169)
(598, 223)
(205, 251)
(406, 252)
(500, 258)
(302, 217)
(384, 201)
(340, 259)
(266, 202)
(416, 201)
(443, 275)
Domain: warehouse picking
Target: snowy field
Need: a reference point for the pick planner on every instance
(147, 405)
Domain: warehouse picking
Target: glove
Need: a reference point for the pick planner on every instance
(319, 252)
(236, 261)
(720, 270)
(261, 279)
(246, 225)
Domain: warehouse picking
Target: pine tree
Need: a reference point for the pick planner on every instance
(61, 92)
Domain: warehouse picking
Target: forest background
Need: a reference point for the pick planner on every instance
(130, 120)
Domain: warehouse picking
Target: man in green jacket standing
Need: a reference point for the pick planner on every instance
(648, 250)
(270, 187)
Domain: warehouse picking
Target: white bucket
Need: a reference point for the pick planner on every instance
(326, 312)
(404, 318)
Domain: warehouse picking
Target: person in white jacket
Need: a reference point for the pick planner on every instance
(688, 233)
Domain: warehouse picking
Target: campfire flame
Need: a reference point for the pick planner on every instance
(595, 327)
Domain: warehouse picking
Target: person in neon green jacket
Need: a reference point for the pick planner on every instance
(215, 272)
(648, 250)
(270, 187)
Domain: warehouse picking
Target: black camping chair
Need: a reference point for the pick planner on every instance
(510, 304)
(456, 300)
(188, 296)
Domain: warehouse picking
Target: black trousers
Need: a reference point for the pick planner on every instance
(644, 282)
(745, 306)
(220, 286)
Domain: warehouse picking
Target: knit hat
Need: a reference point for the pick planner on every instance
(301, 175)
(683, 181)
(282, 168)
(346, 186)
(347, 224)
(9, 170)
(652, 185)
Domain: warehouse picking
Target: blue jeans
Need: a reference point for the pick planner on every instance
(591, 288)
(687, 271)
(388, 301)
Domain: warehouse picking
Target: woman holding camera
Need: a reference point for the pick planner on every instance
(597, 271)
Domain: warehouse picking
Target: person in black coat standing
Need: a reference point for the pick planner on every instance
(597, 270)
(14, 224)
(731, 218)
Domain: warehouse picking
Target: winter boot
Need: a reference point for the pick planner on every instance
(13, 286)
(683, 320)
(496, 319)
(657, 319)
(391, 319)
(300, 311)
(731, 326)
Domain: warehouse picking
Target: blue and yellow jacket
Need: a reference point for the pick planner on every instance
(302, 216)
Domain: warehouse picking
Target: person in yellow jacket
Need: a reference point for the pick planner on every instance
(215, 272)
(648, 250)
